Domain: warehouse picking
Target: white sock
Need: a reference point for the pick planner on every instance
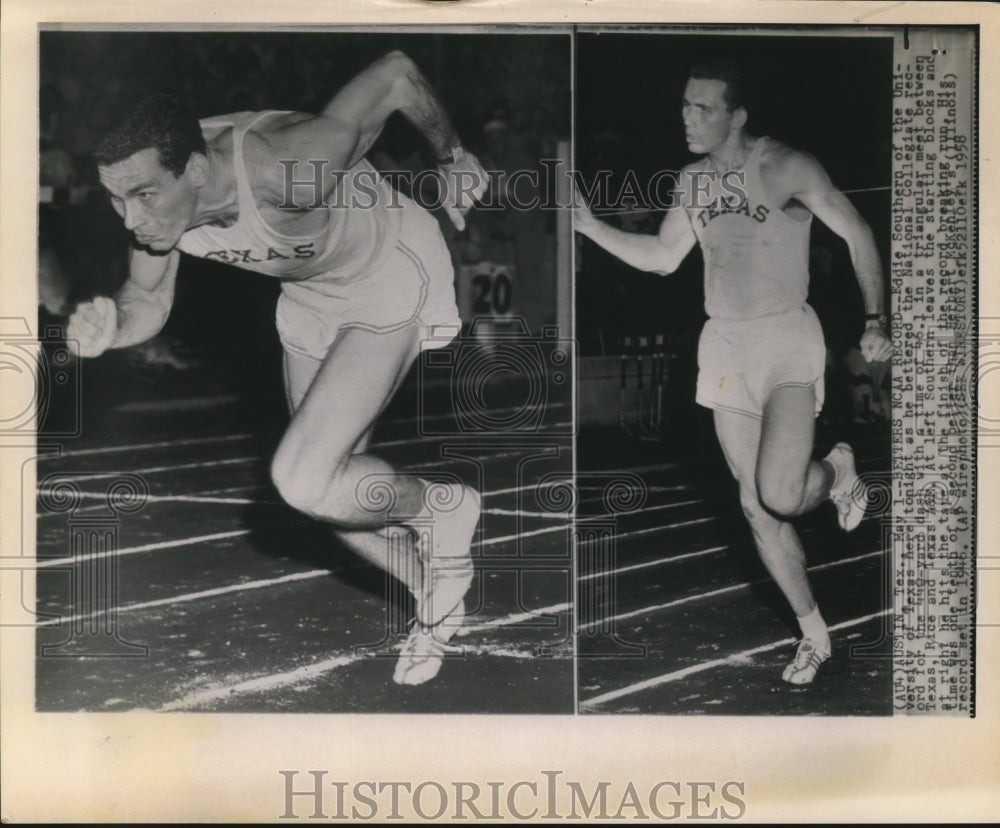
(813, 626)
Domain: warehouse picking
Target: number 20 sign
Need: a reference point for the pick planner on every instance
(486, 289)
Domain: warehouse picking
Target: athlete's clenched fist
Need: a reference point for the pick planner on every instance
(465, 182)
(875, 345)
(93, 326)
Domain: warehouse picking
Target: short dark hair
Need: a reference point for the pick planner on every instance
(154, 121)
(731, 72)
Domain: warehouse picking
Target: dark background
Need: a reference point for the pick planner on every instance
(475, 75)
(523, 78)
(830, 96)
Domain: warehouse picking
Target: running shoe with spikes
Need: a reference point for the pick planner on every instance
(848, 493)
(423, 652)
(808, 658)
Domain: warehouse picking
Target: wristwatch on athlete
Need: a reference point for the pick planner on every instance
(881, 318)
(453, 157)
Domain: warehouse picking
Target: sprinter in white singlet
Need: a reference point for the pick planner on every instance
(366, 281)
(748, 203)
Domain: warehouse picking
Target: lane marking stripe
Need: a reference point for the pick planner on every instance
(190, 441)
(657, 562)
(514, 618)
(222, 438)
(191, 596)
(307, 672)
(208, 496)
(722, 591)
(239, 501)
(731, 660)
(147, 547)
(636, 532)
(260, 684)
(232, 461)
(150, 547)
(522, 513)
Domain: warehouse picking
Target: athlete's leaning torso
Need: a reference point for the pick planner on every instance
(362, 220)
(756, 254)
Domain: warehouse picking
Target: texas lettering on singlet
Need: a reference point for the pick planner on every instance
(352, 241)
(756, 255)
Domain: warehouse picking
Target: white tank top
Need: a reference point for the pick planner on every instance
(363, 222)
(756, 255)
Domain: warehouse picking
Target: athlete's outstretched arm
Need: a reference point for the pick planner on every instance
(660, 254)
(812, 186)
(137, 312)
(347, 127)
(392, 84)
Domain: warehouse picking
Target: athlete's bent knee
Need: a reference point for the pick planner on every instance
(307, 490)
(753, 509)
(293, 491)
(783, 498)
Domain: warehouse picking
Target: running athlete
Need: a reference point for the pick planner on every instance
(748, 202)
(366, 281)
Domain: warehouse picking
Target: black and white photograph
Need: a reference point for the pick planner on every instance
(506, 411)
(315, 383)
(732, 309)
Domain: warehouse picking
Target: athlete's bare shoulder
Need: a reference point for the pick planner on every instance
(298, 144)
(267, 153)
(786, 170)
(690, 179)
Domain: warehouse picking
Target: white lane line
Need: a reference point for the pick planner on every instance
(312, 671)
(260, 684)
(514, 618)
(540, 485)
(679, 488)
(229, 461)
(152, 547)
(721, 591)
(730, 660)
(72, 478)
(669, 560)
(488, 542)
(192, 596)
(190, 441)
(564, 527)
(176, 404)
(454, 461)
(243, 501)
(636, 512)
(222, 438)
(651, 530)
(208, 496)
(521, 513)
(147, 547)
(458, 436)
(663, 528)
(634, 469)
(290, 678)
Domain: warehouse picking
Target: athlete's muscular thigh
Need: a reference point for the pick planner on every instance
(786, 443)
(340, 404)
(299, 372)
